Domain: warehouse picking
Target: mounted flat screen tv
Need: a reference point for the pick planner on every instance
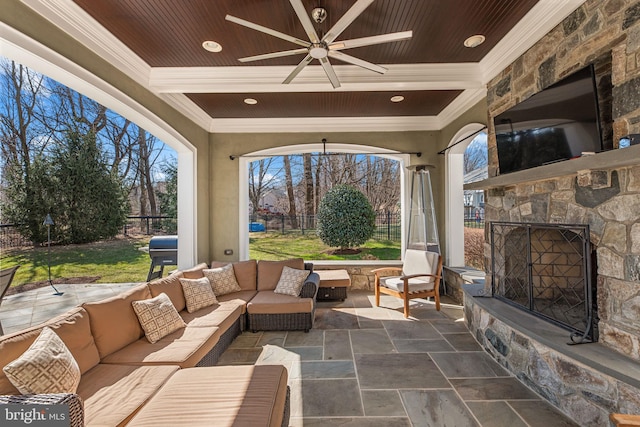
(559, 123)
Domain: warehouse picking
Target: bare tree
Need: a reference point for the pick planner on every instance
(261, 180)
(309, 205)
(290, 194)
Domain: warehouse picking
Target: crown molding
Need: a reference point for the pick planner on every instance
(462, 103)
(326, 124)
(313, 79)
(541, 19)
(70, 18)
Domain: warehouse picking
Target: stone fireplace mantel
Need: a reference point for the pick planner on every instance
(606, 160)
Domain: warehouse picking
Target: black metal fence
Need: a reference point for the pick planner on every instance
(135, 225)
(387, 224)
(473, 217)
(150, 225)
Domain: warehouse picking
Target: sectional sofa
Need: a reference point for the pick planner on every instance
(125, 379)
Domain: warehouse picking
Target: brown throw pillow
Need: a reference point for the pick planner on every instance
(223, 280)
(158, 317)
(291, 281)
(198, 293)
(47, 366)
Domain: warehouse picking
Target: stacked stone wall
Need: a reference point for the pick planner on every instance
(605, 33)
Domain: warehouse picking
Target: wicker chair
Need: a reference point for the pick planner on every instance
(6, 276)
(419, 278)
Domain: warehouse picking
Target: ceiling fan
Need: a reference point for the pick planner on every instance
(326, 47)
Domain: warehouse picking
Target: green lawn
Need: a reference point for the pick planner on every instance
(119, 260)
(114, 261)
(276, 246)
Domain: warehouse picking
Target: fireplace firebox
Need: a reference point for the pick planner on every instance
(548, 270)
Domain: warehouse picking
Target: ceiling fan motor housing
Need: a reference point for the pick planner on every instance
(319, 14)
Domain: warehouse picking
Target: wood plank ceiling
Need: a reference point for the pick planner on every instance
(169, 33)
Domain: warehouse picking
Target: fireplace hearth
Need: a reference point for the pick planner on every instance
(549, 271)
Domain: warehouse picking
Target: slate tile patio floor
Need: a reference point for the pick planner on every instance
(360, 365)
(368, 366)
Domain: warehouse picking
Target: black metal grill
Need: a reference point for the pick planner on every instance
(163, 250)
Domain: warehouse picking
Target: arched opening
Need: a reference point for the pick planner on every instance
(22, 49)
(243, 178)
(454, 198)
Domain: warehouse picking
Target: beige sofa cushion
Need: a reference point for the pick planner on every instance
(268, 302)
(74, 330)
(269, 272)
(194, 272)
(114, 324)
(242, 298)
(223, 396)
(185, 348)
(246, 272)
(46, 367)
(112, 394)
(218, 315)
(170, 285)
(158, 317)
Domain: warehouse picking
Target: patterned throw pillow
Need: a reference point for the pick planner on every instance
(198, 293)
(291, 281)
(223, 280)
(46, 367)
(158, 317)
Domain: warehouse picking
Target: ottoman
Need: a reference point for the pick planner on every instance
(221, 396)
(333, 285)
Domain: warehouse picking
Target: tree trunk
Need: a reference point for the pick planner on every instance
(293, 216)
(309, 206)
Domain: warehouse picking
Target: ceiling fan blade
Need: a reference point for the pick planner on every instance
(356, 61)
(266, 30)
(274, 55)
(345, 20)
(303, 16)
(328, 69)
(367, 41)
(307, 59)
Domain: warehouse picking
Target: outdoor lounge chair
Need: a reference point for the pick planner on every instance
(419, 278)
(6, 276)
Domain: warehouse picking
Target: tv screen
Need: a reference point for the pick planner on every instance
(558, 123)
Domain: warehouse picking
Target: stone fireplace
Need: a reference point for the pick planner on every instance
(601, 192)
(547, 270)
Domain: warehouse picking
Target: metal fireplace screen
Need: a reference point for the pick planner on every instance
(546, 269)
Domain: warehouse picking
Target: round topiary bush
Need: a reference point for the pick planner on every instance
(345, 218)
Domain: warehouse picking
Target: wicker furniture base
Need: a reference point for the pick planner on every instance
(281, 322)
(287, 409)
(73, 401)
(332, 294)
(211, 358)
(333, 285)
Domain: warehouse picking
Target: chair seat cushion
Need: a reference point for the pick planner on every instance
(416, 284)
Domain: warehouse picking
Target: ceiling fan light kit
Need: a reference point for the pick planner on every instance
(326, 47)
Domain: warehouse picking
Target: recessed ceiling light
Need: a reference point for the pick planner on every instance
(397, 98)
(474, 41)
(250, 101)
(212, 46)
